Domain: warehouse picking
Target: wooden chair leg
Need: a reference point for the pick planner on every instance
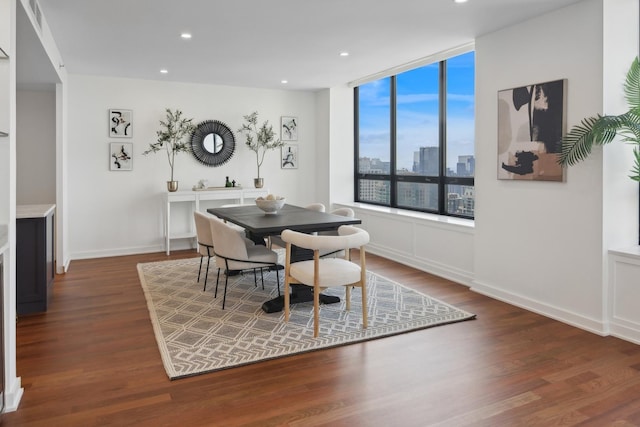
(316, 311)
(364, 306)
(348, 297)
(286, 298)
(363, 286)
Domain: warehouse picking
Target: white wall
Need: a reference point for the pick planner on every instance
(323, 146)
(334, 117)
(341, 160)
(36, 147)
(122, 212)
(620, 46)
(539, 244)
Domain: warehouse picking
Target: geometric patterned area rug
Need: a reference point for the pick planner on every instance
(196, 336)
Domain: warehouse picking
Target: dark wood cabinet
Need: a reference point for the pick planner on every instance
(35, 269)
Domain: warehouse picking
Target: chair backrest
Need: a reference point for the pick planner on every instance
(203, 230)
(316, 207)
(348, 212)
(348, 237)
(227, 241)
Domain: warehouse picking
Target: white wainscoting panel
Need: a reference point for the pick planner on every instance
(439, 245)
(624, 294)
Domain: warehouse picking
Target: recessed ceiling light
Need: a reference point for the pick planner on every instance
(459, 1)
(344, 53)
(164, 71)
(185, 35)
(284, 82)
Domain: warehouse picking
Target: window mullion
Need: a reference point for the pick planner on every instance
(393, 196)
(442, 101)
(356, 142)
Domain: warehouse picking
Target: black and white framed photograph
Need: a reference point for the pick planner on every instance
(531, 122)
(121, 156)
(289, 156)
(288, 128)
(120, 123)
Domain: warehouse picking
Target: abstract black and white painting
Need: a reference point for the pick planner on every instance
(531, 122)
(289, 156)
(120, 123)
(121, 156)
(288, 128)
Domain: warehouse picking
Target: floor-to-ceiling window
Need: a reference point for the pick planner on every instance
(415, 139)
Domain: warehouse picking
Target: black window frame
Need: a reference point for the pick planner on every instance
(393, 178)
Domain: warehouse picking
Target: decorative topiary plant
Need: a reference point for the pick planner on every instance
(170, 137)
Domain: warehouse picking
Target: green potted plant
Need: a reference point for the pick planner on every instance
(259, 140)
(600, 130)
(170, 138)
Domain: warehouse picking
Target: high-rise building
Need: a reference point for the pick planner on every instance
(428, 161)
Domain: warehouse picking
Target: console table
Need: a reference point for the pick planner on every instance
(194, 197)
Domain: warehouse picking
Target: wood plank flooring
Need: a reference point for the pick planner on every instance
(92, 360)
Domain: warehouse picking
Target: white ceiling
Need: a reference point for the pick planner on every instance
(258, 43)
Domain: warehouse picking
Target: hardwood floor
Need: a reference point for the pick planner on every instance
(92, 360)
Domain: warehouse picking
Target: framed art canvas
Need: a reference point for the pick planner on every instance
(121, 156)
(120, 123)
(531, 122)
(289, 156)
(288, 128)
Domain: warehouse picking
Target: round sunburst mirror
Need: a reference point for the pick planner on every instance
(212, 143)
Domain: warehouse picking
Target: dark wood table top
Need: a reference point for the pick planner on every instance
(290, 217)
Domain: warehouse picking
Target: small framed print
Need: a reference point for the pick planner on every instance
(289, 156)
(120, 123)
(121, 156)
(288, 128)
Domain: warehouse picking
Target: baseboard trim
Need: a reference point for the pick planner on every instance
(117, 252)
(13, 396)
(627, 331)
(456, 275)
(574, 319)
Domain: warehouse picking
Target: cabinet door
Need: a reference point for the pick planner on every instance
(31, 285)
(50, 250)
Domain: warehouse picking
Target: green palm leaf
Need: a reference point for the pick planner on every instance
(599, 130)
(578, 142)
(632, 86)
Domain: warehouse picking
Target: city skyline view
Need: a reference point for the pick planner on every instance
(410, 105)
(417, 113)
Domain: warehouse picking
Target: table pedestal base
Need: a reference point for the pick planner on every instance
(299, 293)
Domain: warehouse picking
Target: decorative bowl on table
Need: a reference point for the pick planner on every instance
(270, 204)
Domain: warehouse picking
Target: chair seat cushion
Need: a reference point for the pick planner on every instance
(333, 272)
(256, 254)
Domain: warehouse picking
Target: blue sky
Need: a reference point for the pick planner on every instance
(417, 113)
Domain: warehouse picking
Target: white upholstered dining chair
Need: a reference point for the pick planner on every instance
(236, 253)
(205, 242)
(322, 273)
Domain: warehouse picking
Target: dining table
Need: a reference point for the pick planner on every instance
(259, 225)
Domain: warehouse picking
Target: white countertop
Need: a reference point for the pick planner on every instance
(33, 211)
(631, 251)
